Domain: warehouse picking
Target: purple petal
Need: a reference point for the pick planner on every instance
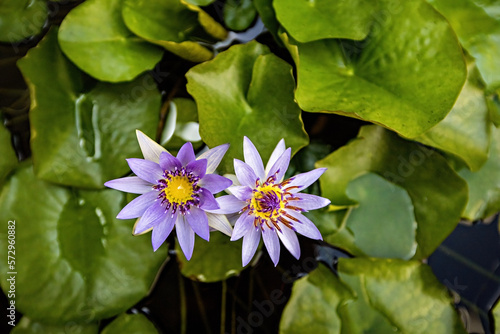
(309, 202)
(304, 226)
(146, 170)
(185, 236)
(197, 167)
(198, 221)
(289, 239)
(220, 223)
(138, 206)
(153, 215)
(272, 244)
(131, 184)
(186, 154)
(215, 183)
(278, 151)
(162, 230)
(281, 165)
(207, 200)
(214, 157)
(242, 226)
(151, 150)
(169, 162)
(250, 244)
(228, 204)
(304, 180)
(252, 158)
(240, 192)
(143, 225)
(245, 174)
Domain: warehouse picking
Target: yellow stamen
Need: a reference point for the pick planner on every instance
(178, 190)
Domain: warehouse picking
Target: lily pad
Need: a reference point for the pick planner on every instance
(484, 184)
(130, 324)
(28, 326)
(239, 14)
(465, 131)
(9, 158)
(405, 76)
(438, 194)
(246, 91)
(82, 137)
(94, 36)
(87, 265)
(309, 21)
(496, 317)
(212, 261)
(477, 24)
(172, 25)
(20, 19)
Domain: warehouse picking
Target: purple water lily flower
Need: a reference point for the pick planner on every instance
(175, 191)
(269, 206)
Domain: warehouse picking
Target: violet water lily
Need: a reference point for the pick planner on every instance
(175, 191)
(270, 206)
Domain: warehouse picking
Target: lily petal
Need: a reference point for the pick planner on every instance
(185, 236)
(290, 240)
(130, 184)
(304, 180)
(250, 244)
(281, 165)
(252, 158)
(220, 223)
(146, 170)
(153, 215)
(162, 231)
(214, 157)
(198, 221)
(245, 174)
(240, 192)
(138, 206)
(151, 150)
(242, 226)
(207, 200)
(215, 183)
(306, 227)
(278, 151)
(186, 154)
(169, 162)
(228, 204)
(197, 167)
(272, 243)
(309, 202)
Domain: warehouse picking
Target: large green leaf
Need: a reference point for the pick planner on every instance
(246, 91)
(438, 194)
(239, 14)
(484, 185)
(309, 21)
(405, 76)
(496, 317)
(130, 324)
(172, 25)
(477, 24)
(81, 137)
(465, 131)
(21, 18)
(403, 294)
(28, 326)
(212, 261)
(9, 159)
(74, 260)
(392, 232)
(493, 101)
(95, 38)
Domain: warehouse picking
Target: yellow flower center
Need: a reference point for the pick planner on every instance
(179, 189)
(267, 202)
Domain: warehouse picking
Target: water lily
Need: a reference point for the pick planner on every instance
(270, 206)
(175, 191)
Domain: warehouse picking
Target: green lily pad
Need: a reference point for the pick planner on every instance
(484, 184)
(173, 25)
(95, 38)
(212, 261)
(199, 2)
(438, 194)
(82, 137)
(20, 19)
(493, 101)
(309, 21)
(496, 316)
(28, 326)
(87, 265)
(405, 296)
(239, 14)
(477, 24)
(268, 17)
(405, 76)
(465, 131)
(9, 158)
(246, 91)
(130, 324)
(392, 232)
